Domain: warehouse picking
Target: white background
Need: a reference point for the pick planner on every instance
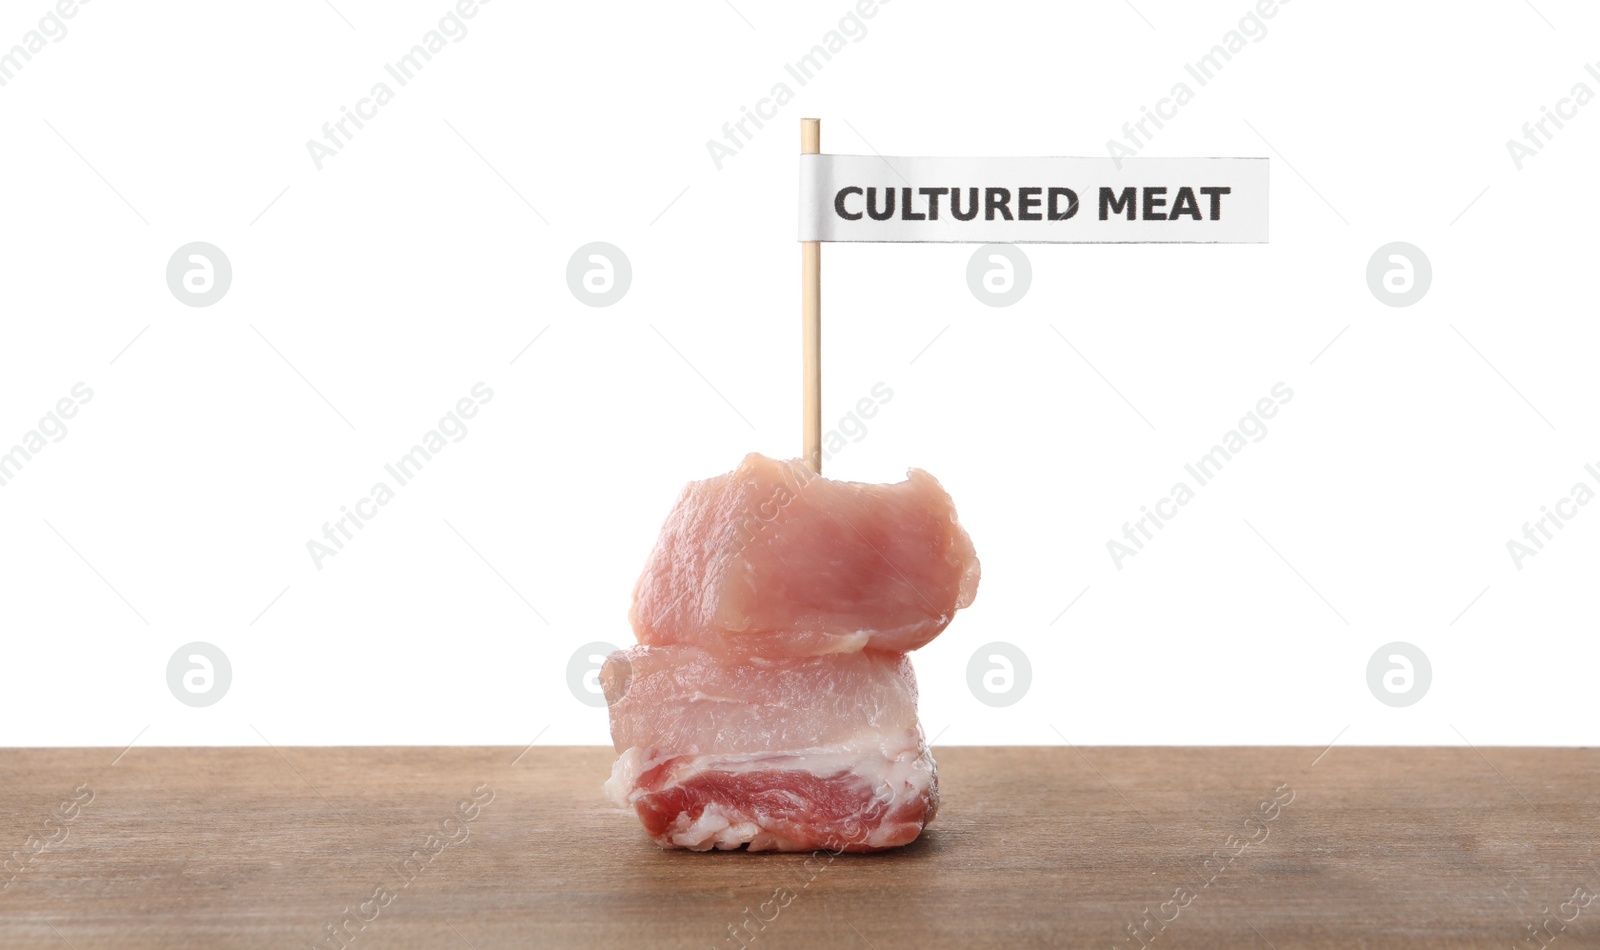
(179, 505)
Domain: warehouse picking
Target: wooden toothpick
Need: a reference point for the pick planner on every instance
(811, 317)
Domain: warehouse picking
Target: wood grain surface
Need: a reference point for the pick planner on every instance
(1033, 847)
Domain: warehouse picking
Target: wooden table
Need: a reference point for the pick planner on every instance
(1033, 847)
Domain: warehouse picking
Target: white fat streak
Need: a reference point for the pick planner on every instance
(701, 697)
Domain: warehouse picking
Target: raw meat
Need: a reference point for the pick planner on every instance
(786, 754)
(771, 560)
(771, 704)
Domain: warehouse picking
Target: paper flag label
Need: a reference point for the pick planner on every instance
(1033, 200)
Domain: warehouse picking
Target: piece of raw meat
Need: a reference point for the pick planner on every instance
(788, 754)
(773, 560)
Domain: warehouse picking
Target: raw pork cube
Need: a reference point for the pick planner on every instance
(790, 754)
(773, 560)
